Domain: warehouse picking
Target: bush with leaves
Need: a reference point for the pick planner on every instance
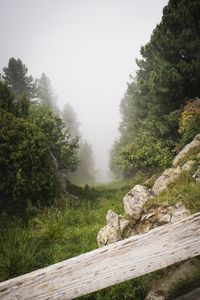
(145, 153)
(189, 125)
(25, 172)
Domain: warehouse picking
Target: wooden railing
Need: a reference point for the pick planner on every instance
(109, 265)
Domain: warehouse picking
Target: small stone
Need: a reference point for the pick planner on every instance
(108, 234)
(165, 219)
(179, 213)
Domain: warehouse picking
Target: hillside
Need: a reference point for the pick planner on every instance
(69, 229)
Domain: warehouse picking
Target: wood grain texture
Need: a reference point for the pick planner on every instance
(109, 265)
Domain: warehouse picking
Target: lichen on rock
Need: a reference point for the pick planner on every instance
(135, 199)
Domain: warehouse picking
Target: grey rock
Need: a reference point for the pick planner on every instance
(186, 149)
(108, 234)
(112, 218)
(167, 177)
(180, 212)
(165, 219)
(135, 199)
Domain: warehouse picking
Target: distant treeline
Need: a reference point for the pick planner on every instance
(156, 115)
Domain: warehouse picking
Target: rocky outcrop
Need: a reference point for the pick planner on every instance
(144, 215)
(158, 215)
(170, 175)
(182, 154)
(167, 177)
(119, 227)
(135, 199)
(113, 231)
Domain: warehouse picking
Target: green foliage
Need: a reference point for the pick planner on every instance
(189, 125)
(24, 168)
(168, 75)
(18, 253)
(184, 189)
(145, 153)
(15, 75)
(63, 148)
(33, 146)
(6, 98)
(17, 106)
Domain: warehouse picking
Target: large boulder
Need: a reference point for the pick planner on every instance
(135, 200)
(167, 177)
(182, 154)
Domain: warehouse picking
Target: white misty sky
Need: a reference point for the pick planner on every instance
(87, 48)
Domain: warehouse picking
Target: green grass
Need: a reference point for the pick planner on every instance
(70, 228)
(183, 189)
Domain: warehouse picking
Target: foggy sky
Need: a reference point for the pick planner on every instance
(87, 48)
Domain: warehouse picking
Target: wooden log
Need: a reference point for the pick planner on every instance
(109, 265)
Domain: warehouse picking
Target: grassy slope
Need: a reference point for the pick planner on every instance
(69, 229)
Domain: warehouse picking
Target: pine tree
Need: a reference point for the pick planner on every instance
(15, 76)
(70, 121)
(168, 76)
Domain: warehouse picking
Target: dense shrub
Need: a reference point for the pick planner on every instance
(25, 172)
(144, 154)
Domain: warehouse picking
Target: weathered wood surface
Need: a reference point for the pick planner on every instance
(115, 263)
